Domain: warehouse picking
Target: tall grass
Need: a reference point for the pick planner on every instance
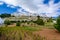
(18, 33)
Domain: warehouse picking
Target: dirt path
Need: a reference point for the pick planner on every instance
(49, 34)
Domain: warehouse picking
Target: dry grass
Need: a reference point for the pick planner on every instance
(18, 33)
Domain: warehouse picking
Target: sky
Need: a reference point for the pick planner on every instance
(51, 8)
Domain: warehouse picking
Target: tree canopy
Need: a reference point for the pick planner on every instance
(5, 15)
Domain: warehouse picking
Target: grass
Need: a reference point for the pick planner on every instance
(18, 33)
(20, 28)
(30, 28)
(22, 33)
(49, 24)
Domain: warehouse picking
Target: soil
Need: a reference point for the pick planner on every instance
(48, 34)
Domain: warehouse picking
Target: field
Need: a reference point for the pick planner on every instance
(19, 33)
(29, 32)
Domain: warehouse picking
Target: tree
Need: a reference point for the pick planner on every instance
(38, 17)
(39, 21)
(5, 15)
(18, 23)
(7, 22)
(57, 25)
(50, 19)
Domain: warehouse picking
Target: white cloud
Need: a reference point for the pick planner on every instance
(1, 3)
(50, 10)
(36, 6)
(13, 2)
(10, 6)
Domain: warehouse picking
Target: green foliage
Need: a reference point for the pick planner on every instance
(18, 23)
(18, 33)
(13, 21)
(7, 22)
(0, 31)
(58, 20)
(38, 16)
(57, 25)
(28, 22)
(23, 21)
(5, 15)
(50, 20)
(39, 22)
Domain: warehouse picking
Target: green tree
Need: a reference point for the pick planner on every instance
(38, 17)
(50, 19)
(5, 15)
(57, 25)
(18, 23)
(39, 22)
(7, 22)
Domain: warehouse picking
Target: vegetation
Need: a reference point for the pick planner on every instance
(18, 33)
(50, 20)
(13, 21)
(7, 22)
(5, 15)
(57, 25)
(26, 31)
(18, 23)
(39, 21)
(38, 17)
(23, 21)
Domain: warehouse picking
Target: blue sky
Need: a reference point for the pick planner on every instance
(47, 7)
(5, 8)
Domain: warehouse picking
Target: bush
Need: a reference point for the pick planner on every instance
(50, 20)
(18, 23)
(7, 22)
(57, 25)
(28, 22)
(4, 15)
(13, 21)
(23, 21)
(0, 31)
(39, 22)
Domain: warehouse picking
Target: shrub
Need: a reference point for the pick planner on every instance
(50, 20)
(57, 25)
(0, 31)
(4, 15)
(23, 21)
(31, 21)
(28, 22)
(38, 17)
(18, 23)
(13, 21)
(7, 22)
(39, 22)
